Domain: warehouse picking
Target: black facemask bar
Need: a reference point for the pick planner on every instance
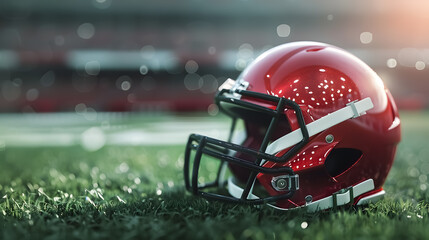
(219, 149)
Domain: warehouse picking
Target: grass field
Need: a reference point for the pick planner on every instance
(115, 176)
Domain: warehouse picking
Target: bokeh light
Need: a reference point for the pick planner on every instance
(193, 81)
(93, 139)
(191, 66)
(92, 68)
(86, 30)
(32, 94)
(391, 63)
(283, 30)
(144, 70)
(366, 37)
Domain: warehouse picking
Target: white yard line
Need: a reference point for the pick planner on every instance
(57, 130)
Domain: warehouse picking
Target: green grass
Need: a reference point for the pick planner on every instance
(128, 192)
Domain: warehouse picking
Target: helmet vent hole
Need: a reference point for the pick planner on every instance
(340, 160)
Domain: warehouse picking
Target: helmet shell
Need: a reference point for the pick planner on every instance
(322, 79)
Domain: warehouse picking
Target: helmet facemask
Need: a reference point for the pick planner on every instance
(242, 157)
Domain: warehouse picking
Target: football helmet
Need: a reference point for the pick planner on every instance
(320, 131)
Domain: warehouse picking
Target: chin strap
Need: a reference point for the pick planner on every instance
(352, 110)
(340, 198)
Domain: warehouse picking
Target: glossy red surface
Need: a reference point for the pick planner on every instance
(322, 79)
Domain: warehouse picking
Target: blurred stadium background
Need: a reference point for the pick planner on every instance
(108, 55)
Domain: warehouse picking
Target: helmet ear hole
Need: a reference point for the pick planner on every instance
(340, 160)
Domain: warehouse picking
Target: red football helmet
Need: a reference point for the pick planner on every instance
(321, 131)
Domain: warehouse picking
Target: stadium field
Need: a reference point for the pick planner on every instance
(119, 176)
